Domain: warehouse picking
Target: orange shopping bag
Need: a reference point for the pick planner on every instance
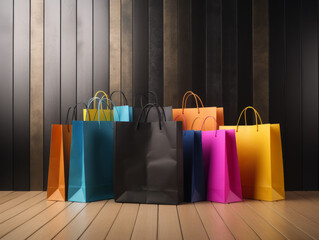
(59, 159)
(192, 113)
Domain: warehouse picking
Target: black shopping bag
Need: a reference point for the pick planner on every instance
(152, 117)
(148, 161)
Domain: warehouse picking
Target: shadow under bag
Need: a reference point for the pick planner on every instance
(148, 161)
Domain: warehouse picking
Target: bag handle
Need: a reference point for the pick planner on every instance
(184, 120)
(103, 100)
(89, 103)
(150, 105)
(97, 93)
(145, 96)
(190, 93)
(257, 117)
(73, 114)
(205, 122)
(195, 119)
(122, 94)
(149, 109)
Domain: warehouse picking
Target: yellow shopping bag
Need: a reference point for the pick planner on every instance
(93, 114)
(260, 159)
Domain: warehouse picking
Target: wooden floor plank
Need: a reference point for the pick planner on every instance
(256, 222)
(19, 219)
(22, 207)
(29, 227)
(124, 223)
(146, 223)
(191, 224)
(300, 221)
(18, 200)
(309, 195)
(234, 222)
(101, 225)
(53, 227)
(4, 193)
(281, 224)
(214, 225)
(80, 223)
(303, 206)
(11, 196)
(168, 223)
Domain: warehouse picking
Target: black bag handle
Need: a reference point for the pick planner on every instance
(145, 94)
(163, 115)
(73, 114)
(150, 105)
(122, 94)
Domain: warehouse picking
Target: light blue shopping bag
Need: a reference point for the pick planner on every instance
(125, 112)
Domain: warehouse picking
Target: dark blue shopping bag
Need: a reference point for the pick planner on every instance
(91, 160)
(194, 179)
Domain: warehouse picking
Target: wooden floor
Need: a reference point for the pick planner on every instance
(28, 215)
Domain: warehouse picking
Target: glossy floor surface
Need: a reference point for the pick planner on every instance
(28, 215)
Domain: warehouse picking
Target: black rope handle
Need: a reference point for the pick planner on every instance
(150, 105)
(122, 94)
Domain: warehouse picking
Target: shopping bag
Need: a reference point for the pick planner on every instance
(105, 114)
(192, 113)
(194, 182)
(221, 168)
(152, 117)
(125, 112)
(60, 145)
(148, 161)
(91, 160)
(260, 159)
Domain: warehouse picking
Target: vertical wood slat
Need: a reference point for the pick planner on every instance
(52, 76)
(184, 39)
(68, 56)
(6, 91)
(21, 88)
(36, 96)
(309, 92)
(199, 48)
(293, 173)
(84, 48)
(260, 58)
(214, 53)
(101, 39)
(245, 61)
(115, 49)
(127, 51)
(277, 68)
(229, 61)
(155, 80)
(170, 53)
(140, 47)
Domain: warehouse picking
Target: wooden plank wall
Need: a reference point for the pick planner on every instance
(232, 53)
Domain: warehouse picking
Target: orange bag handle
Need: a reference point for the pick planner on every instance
(184, 121)
(184, 101)
(257, 117)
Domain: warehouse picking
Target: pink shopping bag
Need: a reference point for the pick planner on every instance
(221, 166)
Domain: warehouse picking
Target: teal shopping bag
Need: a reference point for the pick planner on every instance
(91, 160)
(123, 113)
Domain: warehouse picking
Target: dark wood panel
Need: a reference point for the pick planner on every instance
(214, 53)
(51, 76)
(184, 39)
(230, 61)
(245, 61)
(156, 81)
(199, 48)
(68, 56)
(6, 91)
(21, 119)
(170, 53)
(293, 172)
(101, 45)
(84, 49)
(140, 46)
(277, 69)
(309, 69)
